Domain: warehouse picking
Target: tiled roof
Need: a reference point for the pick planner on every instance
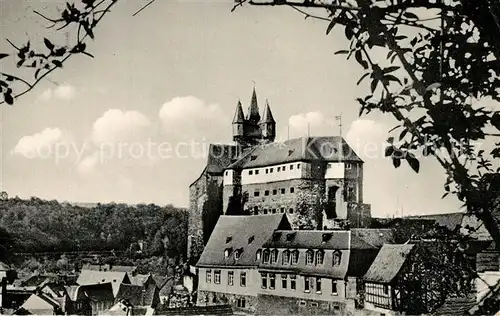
(324, 148)
(73, 291)
(456, 306)
(99, 292)
(304, 239)
(234, 233)
(238, 114)
(88, 277)
(137, 295)
(449, 220)
(108, 268)
(139, 279)
(368, 238)
(388, 263)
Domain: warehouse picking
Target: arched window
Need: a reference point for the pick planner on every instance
(319, 257)
(286, 257)
(309, 257)
(295, 256)
(265, 256)
(337, 257)
(274, 256)
(259, 254)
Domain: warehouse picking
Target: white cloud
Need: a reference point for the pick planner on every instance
(117, 125)
(61, 92)
(88, 163)
(190, 116)
(311, 123)
(39, 145)
(367, 138)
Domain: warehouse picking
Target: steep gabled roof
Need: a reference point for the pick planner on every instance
(449, 220)
(99, 292)
(253, 115)
(238, 114)
(324, 148)
(369, 238)
(388, 263)
(245, 234)
(137, 295)
(267, 116)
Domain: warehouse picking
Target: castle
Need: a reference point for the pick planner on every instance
(316, 181)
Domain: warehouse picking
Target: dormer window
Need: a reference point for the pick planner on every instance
(337, 257)
(227, 252)
(319, 257)
(286, 257)
(327, 237)
(274, 256)
(250, 239)
(309, 257)
(290, 152)
(295, 256)
(265, 256)
(228, 239)
(276, 236)
(290, 236)
(259, 254)
(253, 157)
(237, 254)
(348, 165)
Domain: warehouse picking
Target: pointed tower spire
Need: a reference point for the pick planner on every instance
(253, 115)
(267, 116)
(238, 115)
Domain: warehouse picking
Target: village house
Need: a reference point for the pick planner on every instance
(227, 269)
(91, 277)
(316, 272)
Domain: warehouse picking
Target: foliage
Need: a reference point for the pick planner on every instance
(36, 225)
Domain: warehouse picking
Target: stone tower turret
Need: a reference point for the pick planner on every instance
(268, 124)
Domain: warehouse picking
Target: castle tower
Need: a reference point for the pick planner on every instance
(253, 116)
(268, 124)
(238, 123)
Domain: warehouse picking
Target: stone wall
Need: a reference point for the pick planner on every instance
(279, 305)
(208, 298)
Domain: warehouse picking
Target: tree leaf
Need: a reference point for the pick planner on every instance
(396, 162)
(390, 69)
(3, 55)
(342, 51)
(330, 26)
(413, 162)
(410, 15)
(48, 44)
(8, 98)
(374, 84)
(392, 78)
(359, 58)
(362, 77)
(495, 120)
(57, 63)
(389, 150)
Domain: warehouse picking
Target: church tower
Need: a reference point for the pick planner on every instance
(238, 124)
(268, 124)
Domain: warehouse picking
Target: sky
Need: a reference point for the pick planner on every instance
(133, 124)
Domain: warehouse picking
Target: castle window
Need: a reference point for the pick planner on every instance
(263, 280)
(228, 239)
(302, 303)
(256, 193)
(217, 276)
(250, 172)
(314, 304)
(334, 287)
(295, 257)
(284, 281)
(291, 167)
(282, 210)
(227, 252)
(257, 171)
(237, 254)
(328, 166)
(272, 281)
(309, 257)
(348, 166)
(250, 239)
(266, 193)
(253, 157)
(267, 171)
(279, 169)
(271, 170)
(337, 257)
(307, 284)
(265, 211)
(386, 289)
(293, 282)
(319, 257)
(290, 211)
(292, 189)
(298, 166)
(286, 257)
(208, 276)
(275, 192)
(284, 168)
(283, 191)
(243, 279)
(273, 211)
(230, 278)
(318, 285)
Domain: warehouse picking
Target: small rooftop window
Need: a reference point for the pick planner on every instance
(228, 239)
(253, 157)
(250, 239)
(290, 236)
(227, 252)
(290, 152)
(327, 237)
(276, 236)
